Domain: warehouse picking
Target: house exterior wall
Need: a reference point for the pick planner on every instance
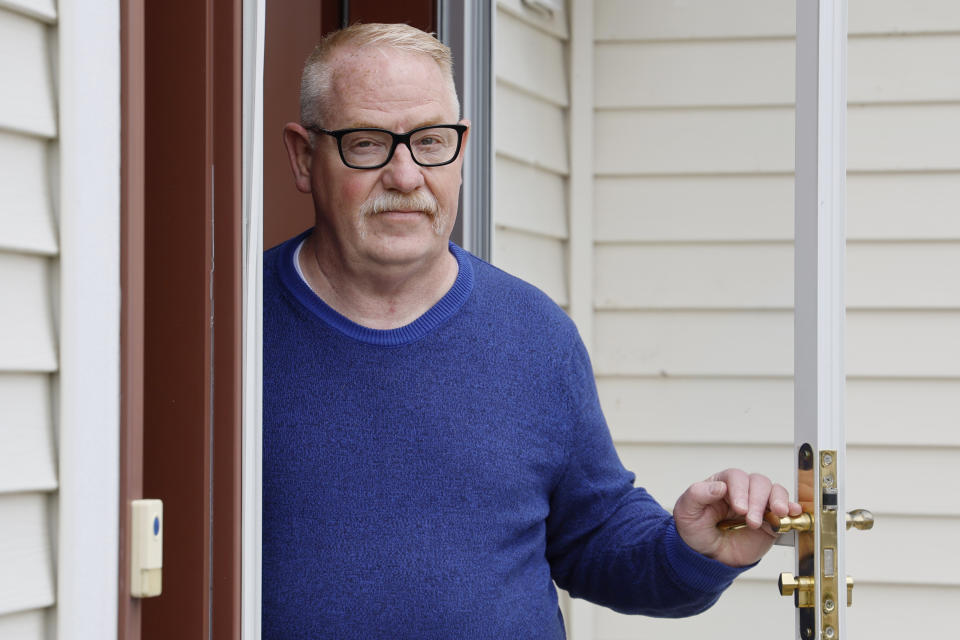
(59, 320)
(692, 323)
(530, 224)
(28, 347)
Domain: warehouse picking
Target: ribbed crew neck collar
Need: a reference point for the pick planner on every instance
(439, 313)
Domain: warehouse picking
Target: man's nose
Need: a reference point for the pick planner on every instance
(402, 173)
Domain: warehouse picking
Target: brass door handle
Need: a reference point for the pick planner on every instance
(780, 524)
(861, 519)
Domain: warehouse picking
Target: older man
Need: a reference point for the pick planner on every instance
(435, 457)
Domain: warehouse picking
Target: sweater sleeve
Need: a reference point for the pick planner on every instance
(612, 543)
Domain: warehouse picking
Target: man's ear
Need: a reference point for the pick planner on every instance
(466, 135)
(300, 154)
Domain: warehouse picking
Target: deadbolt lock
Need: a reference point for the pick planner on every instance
(800, 587)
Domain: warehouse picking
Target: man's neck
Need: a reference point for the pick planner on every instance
(379, 296)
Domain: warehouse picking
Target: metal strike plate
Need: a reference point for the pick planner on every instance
(829, 571)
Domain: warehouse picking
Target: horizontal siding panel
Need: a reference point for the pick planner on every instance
(733, 276)
(699, 141)
(27, 625)
(538, 260)
(759, 276)
(887, 206)
(694, 208)
(704, 343)
(908, 69)
(26, 317)
(530, 59)
(667, 470)
(744, 343)
(760, 411)
(908, 137)
(922, 609)
(25, 75)
(904, 275)
(44, 10)
(881, 138)
(761, 72)
(707, 19)
(26, 431)
(530, 199)
(555, 24)
(671, 20)
(26, 214)
(666, 74)
(903, 412)
(908, 344)
(898, 17)
(903, 206)
(935, 562)
(685, 410)
(530, 130)
(26, 581)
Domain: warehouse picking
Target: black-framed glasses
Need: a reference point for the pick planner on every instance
(370, 148)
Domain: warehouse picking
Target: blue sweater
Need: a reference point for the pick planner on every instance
(433, 481)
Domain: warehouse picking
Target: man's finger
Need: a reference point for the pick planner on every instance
(703, 494)
(738, 489)
(760, 487)
(779, 500)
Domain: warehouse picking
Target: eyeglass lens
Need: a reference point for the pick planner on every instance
(434, 145)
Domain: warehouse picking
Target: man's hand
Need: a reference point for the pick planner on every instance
(726, 495)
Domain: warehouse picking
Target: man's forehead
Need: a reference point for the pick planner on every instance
(383, 79)
(380, 63)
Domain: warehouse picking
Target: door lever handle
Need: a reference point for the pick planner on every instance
(780, 524)
(860, 519)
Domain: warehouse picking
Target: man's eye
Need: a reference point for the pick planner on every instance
(365, 145)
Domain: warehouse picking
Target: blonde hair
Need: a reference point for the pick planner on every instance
(317, 78)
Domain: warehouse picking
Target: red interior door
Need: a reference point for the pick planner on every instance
(181, 309)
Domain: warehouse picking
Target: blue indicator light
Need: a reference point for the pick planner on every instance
(156, 525)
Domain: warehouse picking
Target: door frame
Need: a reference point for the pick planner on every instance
(85, 510)
(254, 13)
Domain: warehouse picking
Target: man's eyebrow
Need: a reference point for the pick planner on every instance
(363, 124)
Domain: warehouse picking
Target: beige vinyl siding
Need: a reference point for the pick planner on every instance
(530, 214)
(28, 350)
(693, 289)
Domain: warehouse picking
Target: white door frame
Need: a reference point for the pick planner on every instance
(87, 538)
(819, 306)
(252, 316)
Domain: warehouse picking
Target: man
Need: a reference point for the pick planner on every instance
(435, 457)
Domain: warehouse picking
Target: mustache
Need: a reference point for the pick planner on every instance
(417, 201)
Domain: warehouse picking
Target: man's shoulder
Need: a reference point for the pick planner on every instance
(278, 260)
(513, 298)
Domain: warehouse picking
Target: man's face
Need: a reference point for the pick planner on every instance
(397, 91)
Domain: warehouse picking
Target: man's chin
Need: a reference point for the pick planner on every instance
(400, 250)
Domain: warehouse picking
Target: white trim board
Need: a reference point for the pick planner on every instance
(88, 537)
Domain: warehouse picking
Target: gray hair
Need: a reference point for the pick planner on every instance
(317, 78)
